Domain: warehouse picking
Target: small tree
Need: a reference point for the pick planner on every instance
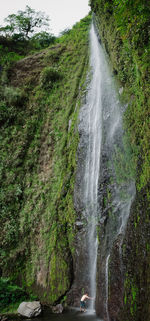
(25, 22)
(43, 39)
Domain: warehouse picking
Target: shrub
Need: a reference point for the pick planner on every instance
(13, 96)
(49, 76)
(10, 293)
(43, 39)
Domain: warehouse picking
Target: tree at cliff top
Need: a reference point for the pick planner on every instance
(25, 23)
(25, 31)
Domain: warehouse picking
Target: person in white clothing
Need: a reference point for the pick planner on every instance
(83, 302)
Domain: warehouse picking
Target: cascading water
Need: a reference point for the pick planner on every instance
(92, 115)
(94, 125)
(101, 133)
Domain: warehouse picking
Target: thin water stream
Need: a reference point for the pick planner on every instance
(94, 130)
(91, 117)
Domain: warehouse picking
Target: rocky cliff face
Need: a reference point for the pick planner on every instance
(40, 99)
(128, 264)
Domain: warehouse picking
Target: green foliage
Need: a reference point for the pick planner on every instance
(49, 76)
(7, 58)
(124, 162)
(11, 100)
(124, 31)
(20, 36)
(124, 28)
(38, 152)
(10, 294)
(133, 19)
(25, 22)
(131, 295)
(65, 32)
(13, 96)
(43, 39)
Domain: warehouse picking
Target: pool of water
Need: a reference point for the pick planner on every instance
(71, 315)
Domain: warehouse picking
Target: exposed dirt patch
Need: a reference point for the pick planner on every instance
(27, 70)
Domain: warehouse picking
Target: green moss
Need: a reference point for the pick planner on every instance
(38, 152)
(123, 30)
(130, 296)
(125, 299)
(148, 246)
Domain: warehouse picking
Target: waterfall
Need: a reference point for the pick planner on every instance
(91, 115)
(94, 125)
(101, 135)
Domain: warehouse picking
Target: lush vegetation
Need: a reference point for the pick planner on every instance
(11, 296)
(23, 24)
(23, 34)
(124, 29)
(40, 96)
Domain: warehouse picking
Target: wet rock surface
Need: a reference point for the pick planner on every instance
(133, 290)
(58, 308)
(136, 261)
(80, 256)
(115, 198)
(80, 269)
(30, 309)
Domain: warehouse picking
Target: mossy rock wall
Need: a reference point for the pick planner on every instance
(136, 259)
(40, 100)
(123, 30)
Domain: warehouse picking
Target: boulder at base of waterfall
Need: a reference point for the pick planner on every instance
(57, 308)
(29, 309)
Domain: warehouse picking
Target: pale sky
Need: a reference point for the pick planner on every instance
(62, 13)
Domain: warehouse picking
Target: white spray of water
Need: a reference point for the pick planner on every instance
(93, 121)
(102, 106)
(100, 98)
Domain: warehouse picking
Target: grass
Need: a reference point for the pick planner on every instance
(39, 140)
